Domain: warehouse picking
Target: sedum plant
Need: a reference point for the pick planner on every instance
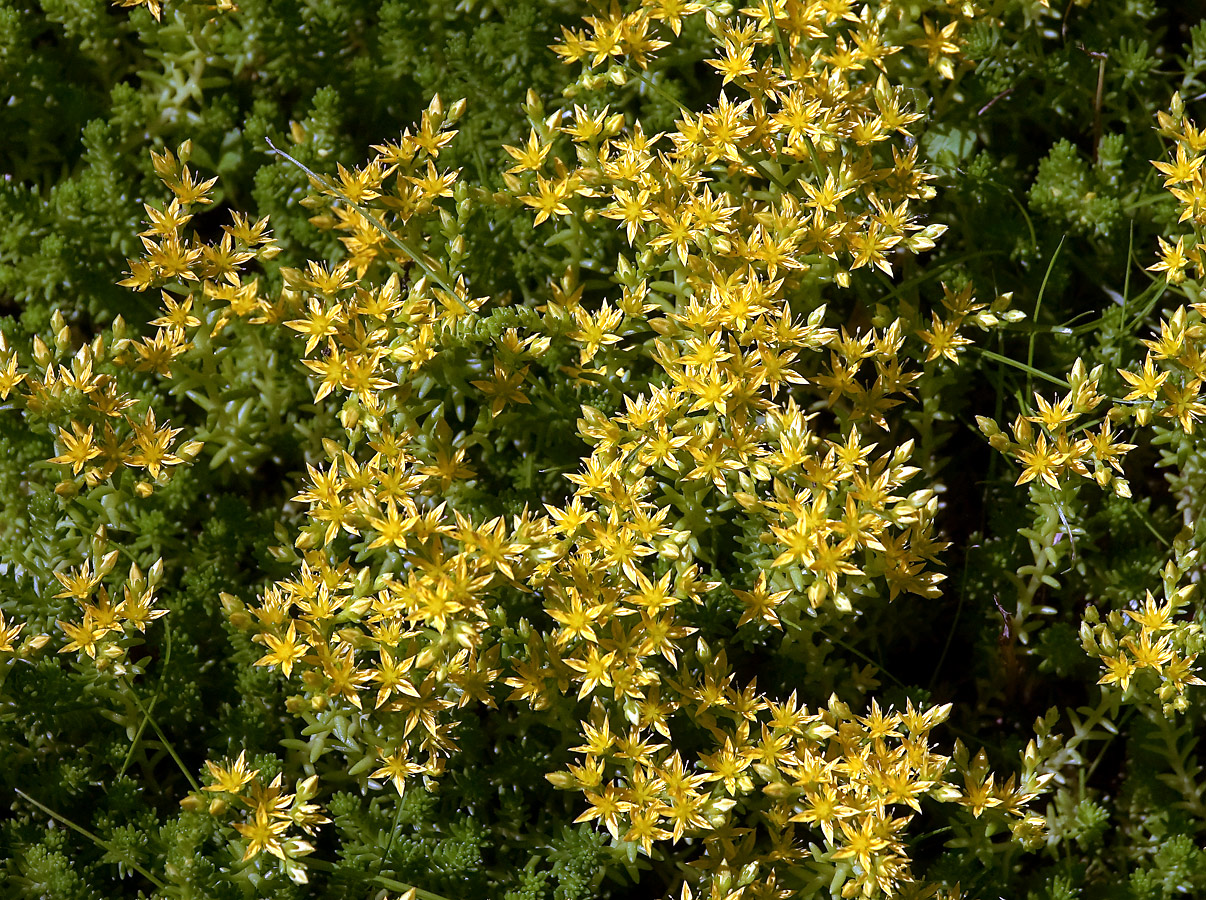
(543, 502)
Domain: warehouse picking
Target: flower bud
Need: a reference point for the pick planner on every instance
(191, 802)
(41, 353)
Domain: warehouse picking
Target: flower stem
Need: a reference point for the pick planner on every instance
(103, 844)
(162, 737)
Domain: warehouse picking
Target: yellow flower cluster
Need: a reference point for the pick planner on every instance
(98, 437)
(105, 622)
(768, 195)
(272, 812)
(735, 224)
(858, 779)
(172, 259)
(1183, 178)
(156, 7)
(943, 338)
(1071, 435)
(102, 437)
(356, 339)
(1148, 654)
(10, 652)
(1061, 445)
(1169, 383)
(806, 127)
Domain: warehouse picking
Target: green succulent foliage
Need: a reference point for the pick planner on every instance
(1074, 195)
(94, 86)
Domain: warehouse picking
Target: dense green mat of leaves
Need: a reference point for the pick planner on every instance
(564, 449)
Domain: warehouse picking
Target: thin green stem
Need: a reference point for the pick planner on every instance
(784, 56)
(167, 745)
(1105, 745)
(1029, 370)
(1003, 189)
(934, 271)
(167, 657)
(1130, 250)
(1148, 524)
(1038, 306)
(1059, 508)
(950, 635)
(323, 866)
(1158, 292)
(390, 843)
(417, 257)
(860, 654)
(103, 844)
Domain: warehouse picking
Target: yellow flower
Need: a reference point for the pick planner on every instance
(529, 157)
(606, 806)
(1174, 259)
(631, 207)
(397, 769)
(860, 841)
(1146, 654)
(158, 351)
(1153, 618)
(1041, 462)
(1053, 416)
(760, 603)
(283, 651)
(332, 368)
(1182, 169)
(391, 530)
(978, 795)
(1146, 384)
(643, 829)
(137, 608)
(79, 584)
(8, 634)
(577, 620)
(155, 7)
(825, 808)
(672, 12)
(938, 43)
(728, 765)
(79, 447)
(595, 331)
(391, 676)
(262, 833)
(230, 779)
(1183, 403)
(1120, 668)
(549, 199)
(503, 387)
(151, 446)
(595, 670)
(83, 636)
(320, 323)
(943, 339)
(10, 377)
